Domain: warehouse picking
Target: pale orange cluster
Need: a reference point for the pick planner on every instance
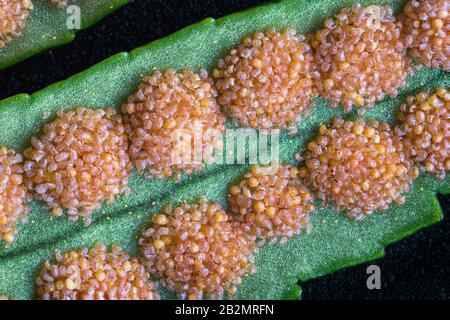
(361, 57)
(425, 130)
(95, 274)
(197, 251)
(272, 203)
(426, 28)
(266, 82)
(13, 18)
(358, 166)
(168, 108)
(79, 162)
(13, 194)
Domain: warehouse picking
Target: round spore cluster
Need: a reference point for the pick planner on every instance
(95, 274)
(361, 57)
(13, 18)
(426, 28)
(13, 194)
(425, 130)
(358, 166)
(272, 203)
(197, 251)
(266, 81)
(79, 162)
(172, 117)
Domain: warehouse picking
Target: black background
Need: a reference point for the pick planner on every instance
(415, 268)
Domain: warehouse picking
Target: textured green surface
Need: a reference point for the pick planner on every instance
(335, 241)
(46, 28)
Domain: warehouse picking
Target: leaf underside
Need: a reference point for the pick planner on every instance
(46, 28)
(335, 241)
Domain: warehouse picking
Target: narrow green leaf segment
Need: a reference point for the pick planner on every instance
(47, 27)
(335, 241)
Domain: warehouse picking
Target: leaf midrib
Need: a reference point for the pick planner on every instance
(185, 183)
(117, 214)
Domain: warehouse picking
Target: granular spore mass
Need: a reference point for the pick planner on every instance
(13, 194)
(79, 162)
(197, 251)
(361, 57)
(425, 130)
(13, 18)
(266, 81)
(164, 118)
(95, 274)
(357, 166)
(426, 28)
(272, 203)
